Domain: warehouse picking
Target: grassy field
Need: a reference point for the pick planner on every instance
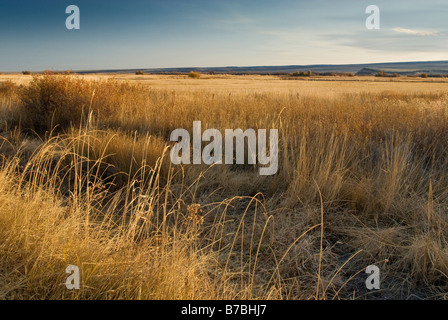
(86, 179)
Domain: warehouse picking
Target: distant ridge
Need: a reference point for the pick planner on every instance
(402, 68)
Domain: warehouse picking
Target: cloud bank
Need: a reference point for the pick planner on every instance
(415, 32)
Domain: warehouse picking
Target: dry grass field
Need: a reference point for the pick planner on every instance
(86, 179)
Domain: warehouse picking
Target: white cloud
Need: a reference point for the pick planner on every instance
(416, 32)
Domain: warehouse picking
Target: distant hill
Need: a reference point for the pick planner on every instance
(402, 68)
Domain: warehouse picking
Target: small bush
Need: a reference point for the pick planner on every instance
(51, 100)
(139, 73)
(50, 72)
(55, 101)
(194, 75)
(26, 72)
(424, 75)
(308, 73)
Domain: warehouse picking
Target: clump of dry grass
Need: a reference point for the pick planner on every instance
(194, 75)
(143, 241)
(7, 88)
(53, 101)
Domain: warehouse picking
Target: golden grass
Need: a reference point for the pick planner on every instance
(362, 180)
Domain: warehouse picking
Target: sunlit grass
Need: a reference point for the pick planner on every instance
(362, 180)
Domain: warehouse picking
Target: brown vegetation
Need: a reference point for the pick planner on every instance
(362, 180)
(194, 75)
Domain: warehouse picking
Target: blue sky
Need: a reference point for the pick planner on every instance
(119, 34)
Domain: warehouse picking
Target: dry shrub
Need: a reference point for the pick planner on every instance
(53, 101)
(194, 75)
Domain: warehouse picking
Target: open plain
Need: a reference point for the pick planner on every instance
(86, 179)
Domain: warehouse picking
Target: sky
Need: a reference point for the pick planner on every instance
(124, 34)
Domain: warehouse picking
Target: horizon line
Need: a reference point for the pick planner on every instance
(232, 66)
